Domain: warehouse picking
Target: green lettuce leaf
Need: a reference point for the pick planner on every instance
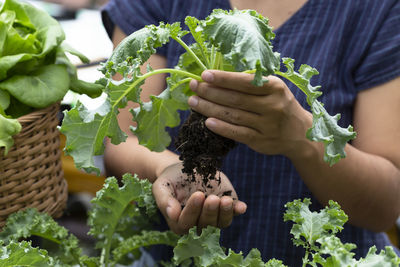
(31, 36)
(9, 127)
(41, 88)
(34, 70)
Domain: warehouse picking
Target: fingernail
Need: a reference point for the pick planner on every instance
(193, 101)
(210, 123)
(207, 76)
(193, 84)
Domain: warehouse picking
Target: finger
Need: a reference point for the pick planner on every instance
(166, 202)
(242, 134)
(229, 98)
(239, 208)
(239, 81)
(231, 115)
(209, 213)
(191, 212)
(225, 212)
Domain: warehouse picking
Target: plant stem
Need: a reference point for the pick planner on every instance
(180, 82)
(217, 61)
(154, 72)
(305, 259)
(212, 58)
(250, 71)
(190, 51)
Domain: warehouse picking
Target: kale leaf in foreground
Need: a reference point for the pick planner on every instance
(120, 220)
(315, 232)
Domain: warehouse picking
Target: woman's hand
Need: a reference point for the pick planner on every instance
(267, 118)
(186, 203)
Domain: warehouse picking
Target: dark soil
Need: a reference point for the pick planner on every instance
(202, 151)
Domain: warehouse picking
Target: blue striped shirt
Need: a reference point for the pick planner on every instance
(354, 44)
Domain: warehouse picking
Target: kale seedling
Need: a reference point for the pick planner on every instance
(226, 40)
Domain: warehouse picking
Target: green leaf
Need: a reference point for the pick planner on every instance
(386, 258)
(153, 117)
(275, 263)
(8, 128)
(4, 100)
(324, 128)
(197, 33)
(98, 124)
(111, 205)
(32, 34)
(23, 254)
(85, 130)
(202, 248)
(67, 48)
(244, 39)
(334, 253)
(205, 251)
(310, 226)
(30, 222)
(301, 79)
(139, 45)
(39, 89)
(18, 38)
(82, 87)
(145, 239)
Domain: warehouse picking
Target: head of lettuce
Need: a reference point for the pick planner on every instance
(34, 69)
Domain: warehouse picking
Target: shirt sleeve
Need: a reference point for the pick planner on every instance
(382, 60)
(132, 15)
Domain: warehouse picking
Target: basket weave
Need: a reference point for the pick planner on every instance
(31, 174)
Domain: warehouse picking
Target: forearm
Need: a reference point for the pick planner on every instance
(367, 186)
(130, 157)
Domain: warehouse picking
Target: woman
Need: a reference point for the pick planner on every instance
(355, 45)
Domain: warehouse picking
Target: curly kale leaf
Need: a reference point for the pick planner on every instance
(315, 232)
(206, 251)
(244, 39)
(23, 254)
(30, 222)
(324, 127)
(115, 209)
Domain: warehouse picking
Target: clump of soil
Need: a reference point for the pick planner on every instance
(202, 151)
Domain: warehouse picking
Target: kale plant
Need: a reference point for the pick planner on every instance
(226, 40)
(120, 220)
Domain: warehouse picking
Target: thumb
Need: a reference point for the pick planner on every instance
(166, 202)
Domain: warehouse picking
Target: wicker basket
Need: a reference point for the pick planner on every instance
(31, 174)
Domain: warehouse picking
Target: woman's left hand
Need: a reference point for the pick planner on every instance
(267, 118)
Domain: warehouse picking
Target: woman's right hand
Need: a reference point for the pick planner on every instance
(186, 203)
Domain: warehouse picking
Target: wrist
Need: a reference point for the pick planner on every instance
(165, 160)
